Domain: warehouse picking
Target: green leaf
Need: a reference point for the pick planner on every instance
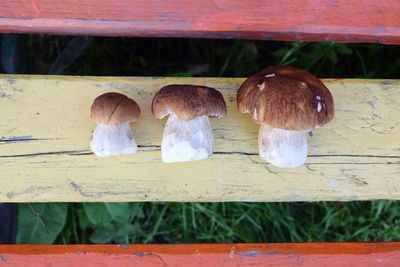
(331, 55)
(181, 74)
(120, 212)
(124, 232)
(292, 52)
(280, 53)
(137, 210)
(104, 213)
(83, 219)
(343, 49)
(70, 54)
(41, 223)
(116, 233)
(97, 213)
(103, 234)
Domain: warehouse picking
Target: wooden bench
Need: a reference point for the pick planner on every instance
(45, 130)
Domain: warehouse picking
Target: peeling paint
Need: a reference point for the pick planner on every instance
(244, 200)
(78, 189)
(140, 254)
(253, 253)
(11, 81)
(333, 183)
(250, 253)
(345, 192)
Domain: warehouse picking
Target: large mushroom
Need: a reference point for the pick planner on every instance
(288, 103)
(112, 113)
(188, 134)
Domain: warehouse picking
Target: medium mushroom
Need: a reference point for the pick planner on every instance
(288, 103)
(112, 113)
(188, 134)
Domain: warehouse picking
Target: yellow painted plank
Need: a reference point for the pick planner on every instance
(45, 128)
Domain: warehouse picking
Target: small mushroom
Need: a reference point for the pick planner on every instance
(188, 134)
(112, 113)
(288, 103)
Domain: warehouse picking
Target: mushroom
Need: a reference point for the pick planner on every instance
(188, 134)
(288, 103)
(112, 113)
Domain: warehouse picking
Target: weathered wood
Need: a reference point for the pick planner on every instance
(297, 254)
(8, 223)
(302, 20)
(45, 129)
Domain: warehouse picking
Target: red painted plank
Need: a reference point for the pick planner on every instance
(303, 20)
(278, 254)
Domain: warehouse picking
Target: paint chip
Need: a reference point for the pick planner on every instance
(333, 183)
(140, 254)
(250, 253)
(345, 192)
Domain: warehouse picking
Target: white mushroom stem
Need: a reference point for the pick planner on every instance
(282, 148)
(187, 140)
(108, 140)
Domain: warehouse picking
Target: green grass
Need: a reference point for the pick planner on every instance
(245, 222)
(205, 222)
(195, 57)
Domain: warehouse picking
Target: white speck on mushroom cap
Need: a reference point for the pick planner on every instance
(255, 114)
(270, 75)
(261, 86)
(319, 107)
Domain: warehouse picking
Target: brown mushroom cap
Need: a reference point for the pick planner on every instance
(188, 102)
(287, 98)
(114, 109)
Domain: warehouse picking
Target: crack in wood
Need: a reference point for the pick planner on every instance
(235, 152)
(152, 148)
(19, 139)
(67, 152)
(78, 189)
(354, 156)
(315, 155)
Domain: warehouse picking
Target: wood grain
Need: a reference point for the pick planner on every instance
(301, 20)
(278, 254)
(45, 128)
